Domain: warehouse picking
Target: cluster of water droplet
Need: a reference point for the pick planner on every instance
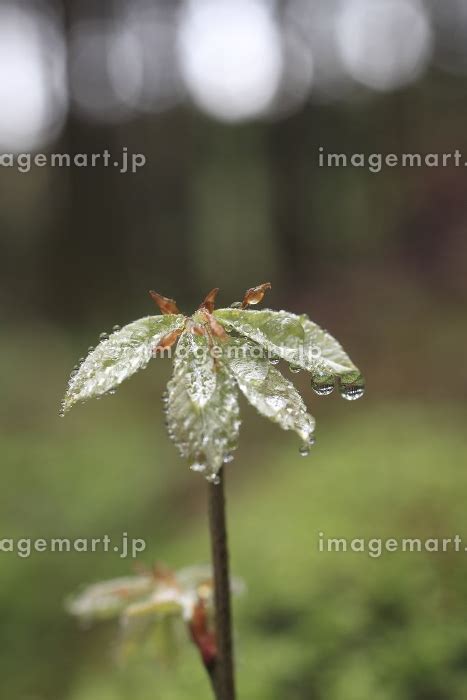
(201, 402)
(71, 378)
(278, 332)
(117, 356)
(270, 393)
(303, 344)
(201, 406)
(200, 375)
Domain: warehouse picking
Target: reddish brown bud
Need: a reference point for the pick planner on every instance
(210, 299)
(202, 636)
(167, 306)
(196, 329)
(216, 328)
(168, 340)
(255, 294)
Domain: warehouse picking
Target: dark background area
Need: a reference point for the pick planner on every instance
(229, 103)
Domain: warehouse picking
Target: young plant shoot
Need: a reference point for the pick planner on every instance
(218, 354)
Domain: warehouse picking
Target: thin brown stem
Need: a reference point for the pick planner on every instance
(223, 671)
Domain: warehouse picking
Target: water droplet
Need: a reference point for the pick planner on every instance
(81, 360)
(274, 360)
(228, 458)
(111, 392)
(213, 479)
(304, 449)
(116, 328)
(352, 387)
(198, 467)
(322, 383)
(236, 305)
(90, 348)
(104, 336)
(294, 368)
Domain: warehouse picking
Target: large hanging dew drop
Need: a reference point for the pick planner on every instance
(322, 384)
(306, 446)
(352, 387)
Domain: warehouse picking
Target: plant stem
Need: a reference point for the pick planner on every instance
(223, 672)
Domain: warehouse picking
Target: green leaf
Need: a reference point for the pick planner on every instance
(114, 360)
(202, 406)
(300, 342)
(267, 390)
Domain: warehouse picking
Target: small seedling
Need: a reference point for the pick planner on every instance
(218, 353)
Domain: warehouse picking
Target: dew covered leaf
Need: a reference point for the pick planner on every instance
(331, 353)
(125, 352)
(202, 406)
(278, 332)
(327, 361)
(274, 396)
(300, 342)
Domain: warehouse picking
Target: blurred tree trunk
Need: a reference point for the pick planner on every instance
(291, 153)
(87, 242)
(119, 233)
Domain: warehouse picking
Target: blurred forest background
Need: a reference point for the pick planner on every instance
(230, 100)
